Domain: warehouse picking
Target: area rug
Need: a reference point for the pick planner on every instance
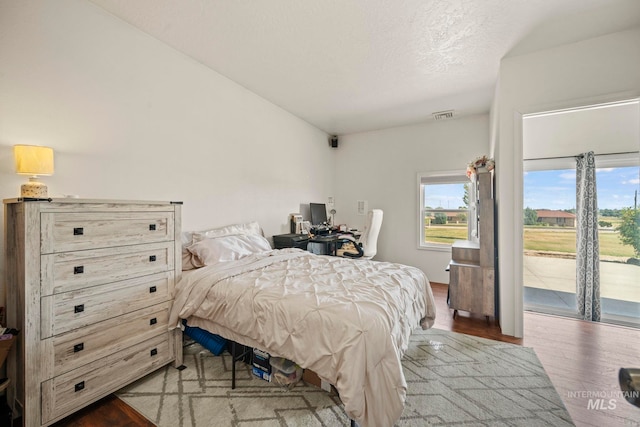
(453, 379)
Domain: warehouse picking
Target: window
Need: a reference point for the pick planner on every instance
(445, 207)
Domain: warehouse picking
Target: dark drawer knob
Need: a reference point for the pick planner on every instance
(153, 321)
(78, 308)
(78, 347)
(78, 269)
(78, 231)
(152, 289)
(152, 258)
(154, 351)
(79, 386)
(152, 227)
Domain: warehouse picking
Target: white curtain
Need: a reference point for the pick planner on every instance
(587, 246)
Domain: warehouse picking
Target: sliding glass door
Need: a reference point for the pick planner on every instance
(549, 217)
(550, 240)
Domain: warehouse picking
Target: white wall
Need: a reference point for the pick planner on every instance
(596, 70)
(610, 128)
(131, 118)
(381, 167)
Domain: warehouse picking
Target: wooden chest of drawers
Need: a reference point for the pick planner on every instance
(89, 285)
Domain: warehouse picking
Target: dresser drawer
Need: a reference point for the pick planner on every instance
(71, 271)
(63, 232)
(66, 393)
(465, 251)
(81, 346)
(72, 310)
(465, 287)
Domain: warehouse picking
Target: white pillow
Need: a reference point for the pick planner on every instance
(187, 257)
(246, 228)
(190, 237)
(226, 248)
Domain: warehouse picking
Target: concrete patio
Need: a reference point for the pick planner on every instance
(617, 280)
(550, 284)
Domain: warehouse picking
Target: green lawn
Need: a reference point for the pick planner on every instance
(445, 234)
(538, 239)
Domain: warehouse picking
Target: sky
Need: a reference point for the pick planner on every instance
(557, 189)
(446, 196)
(554, 190)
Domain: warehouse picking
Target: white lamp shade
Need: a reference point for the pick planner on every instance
(33, 160)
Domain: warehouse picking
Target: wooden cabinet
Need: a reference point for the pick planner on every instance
(472, 267)
(89, 285)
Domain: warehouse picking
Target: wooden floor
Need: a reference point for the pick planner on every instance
(108, 412)
(581, 358)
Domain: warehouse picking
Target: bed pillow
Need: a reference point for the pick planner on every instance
(226, 248)
(245, 228)
(190, 237)
(187, 257)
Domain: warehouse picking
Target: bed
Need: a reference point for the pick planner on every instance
(347, 320)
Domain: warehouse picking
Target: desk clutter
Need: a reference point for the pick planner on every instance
(317, 236)
(321, 236)
(333, 243)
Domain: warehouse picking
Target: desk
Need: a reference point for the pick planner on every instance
(328, 244)
(324, 245)
(281, 241)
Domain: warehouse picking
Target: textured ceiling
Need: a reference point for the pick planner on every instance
(358, 65)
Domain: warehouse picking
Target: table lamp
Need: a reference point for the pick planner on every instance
(33, 160)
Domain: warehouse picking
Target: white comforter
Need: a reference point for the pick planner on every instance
(347, 320)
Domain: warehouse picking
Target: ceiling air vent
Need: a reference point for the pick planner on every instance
(442, 115)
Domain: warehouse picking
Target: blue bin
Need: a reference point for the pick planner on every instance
(212, 342)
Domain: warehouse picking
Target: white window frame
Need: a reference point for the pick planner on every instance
(443, 177)
(602, 161)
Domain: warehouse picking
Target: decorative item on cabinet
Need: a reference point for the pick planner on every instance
(71, 265)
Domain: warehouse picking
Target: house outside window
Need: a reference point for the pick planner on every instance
(556, 217)
(446, 210)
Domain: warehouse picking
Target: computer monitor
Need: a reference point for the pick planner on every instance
(318, 213)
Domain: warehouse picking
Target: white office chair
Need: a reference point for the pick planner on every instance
(368, 245)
